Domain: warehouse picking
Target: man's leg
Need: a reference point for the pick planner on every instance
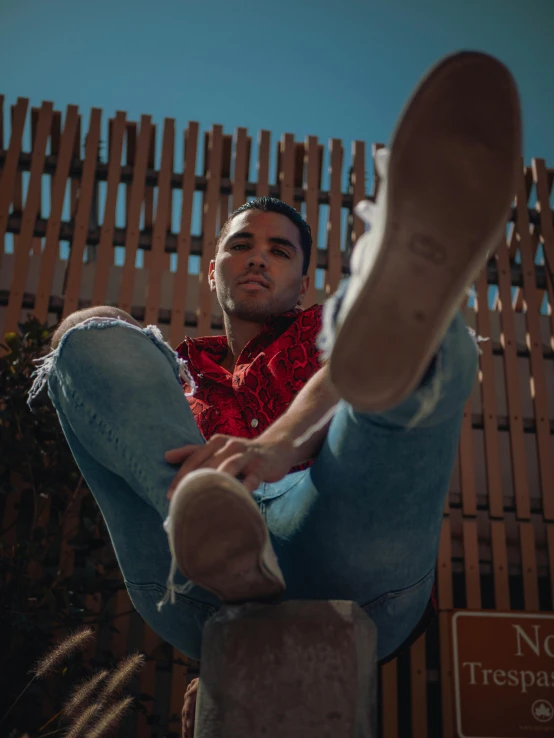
(118, 397)
(363, 523)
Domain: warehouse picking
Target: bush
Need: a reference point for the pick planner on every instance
(54, 547)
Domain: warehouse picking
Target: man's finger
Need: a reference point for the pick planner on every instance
(236, 464)
(200, 456)
(252, 482)
(176, 455)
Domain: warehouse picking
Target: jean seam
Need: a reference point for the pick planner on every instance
(394, 594)
(149, 586)
(266, 500)
(93, 419)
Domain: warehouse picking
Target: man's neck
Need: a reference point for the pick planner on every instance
(239, 333)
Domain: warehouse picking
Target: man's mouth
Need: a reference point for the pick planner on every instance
(254, 282)
(255, 286)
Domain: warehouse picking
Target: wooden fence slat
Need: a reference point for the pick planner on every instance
(333, 272)
(70, 527)
(467, 464)
(511, 379)
(357, 183)
(105, 251)
(418, 688)
(444, 568)
(149, 196)
(529, 566)
(82, 215)
(500, 565)
(446, 677)
(158, 261)
(51, 248)
(313, 179)
(10, 518)
(55, 142)
(298, 179)
(21, 261)
(389, 701)
(550, 546)
(471, 565)
(130, 155)
(445, 603)
(147, 674)
(40, 522)
(224, 199)
(286, 169)
(179, 297)
(149, 191)
(56, 131)
(123, 609)
(36, 243)
(540, 400)
(517, 301)
(540, 177)
(133, 223)
(514, 245)
(17, 199)
(178, 688)
(262, 169)
(240, 172)
(209, 224)
(74, 187)
(488, 399)
(9, 172)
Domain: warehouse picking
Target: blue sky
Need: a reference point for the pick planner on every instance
(320, 67)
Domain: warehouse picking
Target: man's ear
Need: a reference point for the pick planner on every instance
(303, 289)
(211, 275)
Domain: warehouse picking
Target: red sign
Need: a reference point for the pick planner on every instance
(503, 665)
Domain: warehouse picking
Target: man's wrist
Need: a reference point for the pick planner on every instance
(283, 442)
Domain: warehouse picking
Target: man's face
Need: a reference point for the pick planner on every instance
(257, 271)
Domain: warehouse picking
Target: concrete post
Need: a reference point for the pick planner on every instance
(299, 669)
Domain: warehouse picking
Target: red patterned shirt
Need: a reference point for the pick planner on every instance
(270, 371)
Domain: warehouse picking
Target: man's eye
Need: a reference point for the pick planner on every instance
(239, 246)
(281, 253)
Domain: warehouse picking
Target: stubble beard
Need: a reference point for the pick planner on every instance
(248, 310)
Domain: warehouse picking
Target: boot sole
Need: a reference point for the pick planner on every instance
(452, 176)
(220, 540)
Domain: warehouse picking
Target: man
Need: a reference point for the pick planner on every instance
(316, 458)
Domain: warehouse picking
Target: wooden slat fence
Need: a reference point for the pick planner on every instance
(497, 543)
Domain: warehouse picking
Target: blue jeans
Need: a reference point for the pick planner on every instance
(363, 523)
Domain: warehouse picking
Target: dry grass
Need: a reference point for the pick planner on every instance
(95, 705)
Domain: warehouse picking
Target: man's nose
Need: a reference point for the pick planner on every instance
(256, 259)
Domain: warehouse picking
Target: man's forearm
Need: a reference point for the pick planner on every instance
(315, 399)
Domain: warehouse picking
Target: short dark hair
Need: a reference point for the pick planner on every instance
(273, 205)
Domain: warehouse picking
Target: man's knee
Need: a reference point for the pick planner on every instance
(102, 311)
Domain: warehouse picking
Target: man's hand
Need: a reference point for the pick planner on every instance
(189, 709)
(254, 461)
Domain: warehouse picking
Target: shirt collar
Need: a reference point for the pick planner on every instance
(206, 353)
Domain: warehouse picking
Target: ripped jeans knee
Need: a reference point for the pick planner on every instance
(47, 363)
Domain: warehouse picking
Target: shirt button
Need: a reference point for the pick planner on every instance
(254, 422)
